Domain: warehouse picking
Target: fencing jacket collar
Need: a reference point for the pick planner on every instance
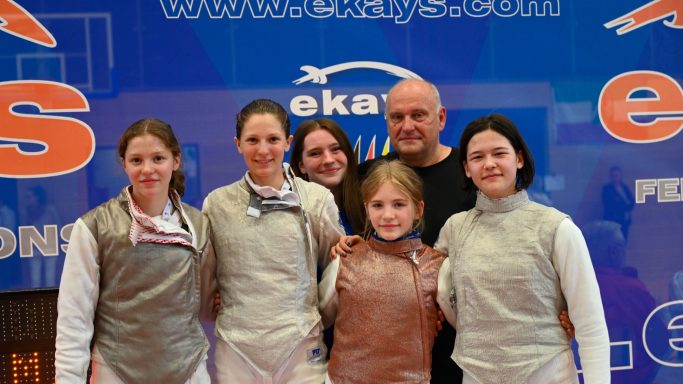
(266, 198)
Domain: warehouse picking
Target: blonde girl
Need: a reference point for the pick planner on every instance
(382, 295)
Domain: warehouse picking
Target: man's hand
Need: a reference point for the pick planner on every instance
(439, 319)
(567, 324)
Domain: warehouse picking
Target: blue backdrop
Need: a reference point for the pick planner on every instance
(592, 85)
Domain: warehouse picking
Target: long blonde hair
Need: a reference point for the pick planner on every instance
(399, 174)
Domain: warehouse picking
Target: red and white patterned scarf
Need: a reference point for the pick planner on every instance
(145, 229)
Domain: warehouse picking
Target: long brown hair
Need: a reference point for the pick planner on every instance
(164, 132)
(350, 202)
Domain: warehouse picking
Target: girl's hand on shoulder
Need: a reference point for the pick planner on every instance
(343, 247)
(567, 324)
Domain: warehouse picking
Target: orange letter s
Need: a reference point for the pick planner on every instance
(69, 143)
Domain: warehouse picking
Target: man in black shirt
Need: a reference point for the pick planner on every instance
(415, 118)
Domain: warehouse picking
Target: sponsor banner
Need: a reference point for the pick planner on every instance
(595, 87)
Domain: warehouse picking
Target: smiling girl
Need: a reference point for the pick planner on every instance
(514, 264)
(382, 295)
(271, 230)
(131, 276)
(322, 153)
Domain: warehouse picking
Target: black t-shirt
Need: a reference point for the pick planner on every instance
(444, 196)
(443, 192)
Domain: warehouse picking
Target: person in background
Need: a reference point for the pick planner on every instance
(7, 217)
(514, 264)
(617, 201)
(131, 280)
(271, 230)
(627, 303)
(322, 153)
(39, 213)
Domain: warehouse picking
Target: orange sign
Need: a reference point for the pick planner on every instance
(641, 107)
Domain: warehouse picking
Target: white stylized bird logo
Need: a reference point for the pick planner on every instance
(319, 75)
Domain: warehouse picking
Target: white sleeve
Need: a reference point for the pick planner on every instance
(78, 295)
(580, 288)
(443, 241)
(328, 298)
(443, 293)
(330, 230)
